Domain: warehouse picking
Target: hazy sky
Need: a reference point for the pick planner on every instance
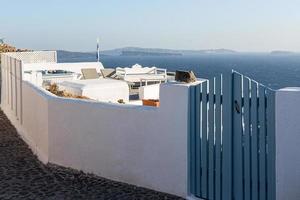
(245, 25)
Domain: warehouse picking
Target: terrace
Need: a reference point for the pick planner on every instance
(92, 80)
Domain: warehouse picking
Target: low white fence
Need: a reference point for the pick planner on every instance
(74, 67)
(34, 56)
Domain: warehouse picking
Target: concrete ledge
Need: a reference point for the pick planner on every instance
(287, 143)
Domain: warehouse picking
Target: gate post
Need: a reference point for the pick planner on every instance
(287, 118)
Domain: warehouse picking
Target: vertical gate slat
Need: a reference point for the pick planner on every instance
(198, 141)
(271, 145)
(218, 138)
(254, 139)
(192, 141)
(262, 143)
(227, 137)
(211, 124)
(204, 145)
(237, 137)
(247, 153)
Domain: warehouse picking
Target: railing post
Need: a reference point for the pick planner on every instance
(287, 128)
(271, 148)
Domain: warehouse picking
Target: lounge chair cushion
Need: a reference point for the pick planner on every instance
(103, 89)
(90, 73)
(108, 73)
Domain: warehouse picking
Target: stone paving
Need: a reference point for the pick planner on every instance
(23, 176)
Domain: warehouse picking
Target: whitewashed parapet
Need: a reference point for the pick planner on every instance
(288, 144)
(35, 56)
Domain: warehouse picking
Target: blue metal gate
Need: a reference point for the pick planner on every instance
(232, 139)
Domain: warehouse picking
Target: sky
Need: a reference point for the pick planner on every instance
(242, 25)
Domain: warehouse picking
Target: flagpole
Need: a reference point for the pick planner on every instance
(98, 51)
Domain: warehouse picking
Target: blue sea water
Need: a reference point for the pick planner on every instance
(275, 71)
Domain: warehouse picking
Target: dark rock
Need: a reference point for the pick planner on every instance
(185, 76)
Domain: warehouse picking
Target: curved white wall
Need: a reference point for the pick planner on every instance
(145, 146)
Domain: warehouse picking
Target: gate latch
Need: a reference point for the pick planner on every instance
(237, 107)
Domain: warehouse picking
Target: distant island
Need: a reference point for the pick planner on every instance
(278, 52)
(136, 51)
(145, 53)
(130, 51)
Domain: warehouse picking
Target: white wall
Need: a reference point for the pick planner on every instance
(34, 56)
(34, 125)
(145, 146)
(288, 144)
(35, 119)
(25, 105)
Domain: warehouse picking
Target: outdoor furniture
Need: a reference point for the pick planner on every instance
(106, 90)
(89, 73)
(140, 75)
(108, 73)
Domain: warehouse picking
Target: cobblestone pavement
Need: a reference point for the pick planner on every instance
(22, 176)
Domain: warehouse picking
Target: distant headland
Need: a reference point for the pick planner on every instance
(279, 52)
(146, 53)
(137, 51)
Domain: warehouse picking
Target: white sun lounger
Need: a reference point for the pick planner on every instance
(106, 90)
(139, 74)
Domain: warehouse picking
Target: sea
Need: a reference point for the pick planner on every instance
(273, 70)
